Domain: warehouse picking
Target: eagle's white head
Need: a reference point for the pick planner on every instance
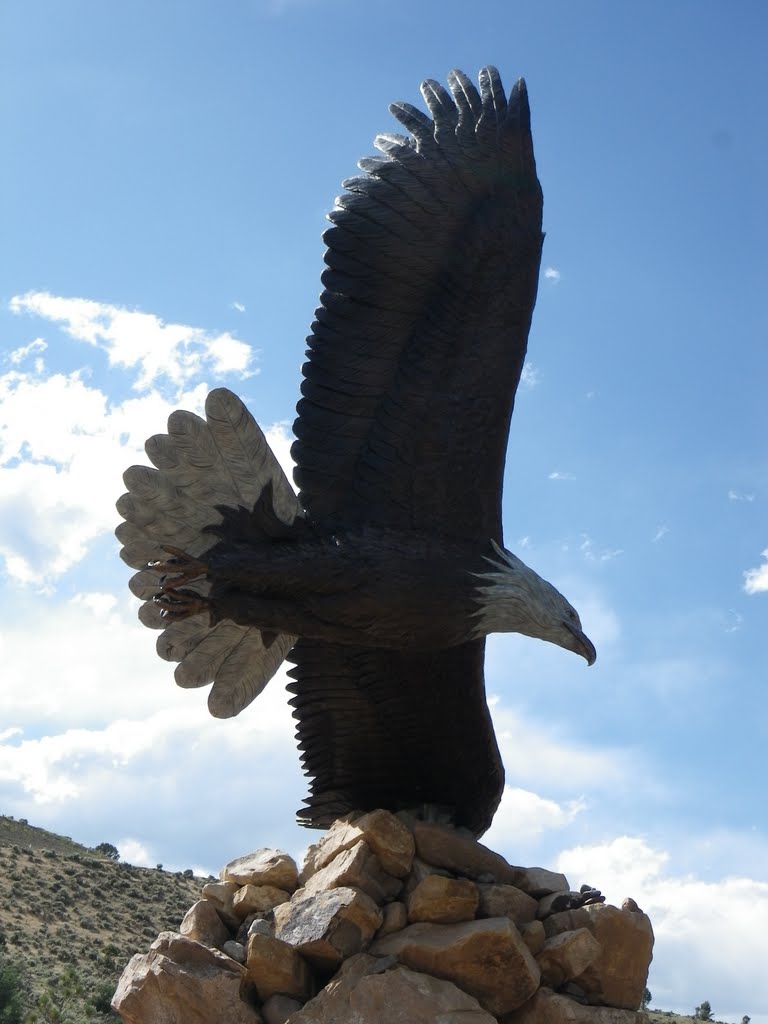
(514, 599)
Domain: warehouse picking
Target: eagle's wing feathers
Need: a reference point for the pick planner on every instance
(380, 728)
(420, 337)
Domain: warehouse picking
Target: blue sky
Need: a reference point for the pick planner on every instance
(166, 174)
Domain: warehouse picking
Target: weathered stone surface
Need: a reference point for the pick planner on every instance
(275, 967)
(566, 956)
(617, 977)
(445, 847)
(488, 959)
(395, 919)
(221, 895)
(443, 900)
(263, 867)
(368, 991)
(328, 926)
(278, 1009)
(567, 921)
(358, 867)
(234, 949)
(419, 871)
(507, 901)
(257, 899)
(389, 838)
(538, 882)
(180, 981)
(533, 936)
(203, 923)
(547, 1007)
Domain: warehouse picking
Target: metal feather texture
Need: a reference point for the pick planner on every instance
(202, 466)
(418, 344)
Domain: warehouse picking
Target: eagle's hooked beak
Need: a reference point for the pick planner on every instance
(582, 644)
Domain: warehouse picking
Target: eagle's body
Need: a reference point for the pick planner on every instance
(382, 577)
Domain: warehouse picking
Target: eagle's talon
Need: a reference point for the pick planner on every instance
(180, 604)
(179, 569)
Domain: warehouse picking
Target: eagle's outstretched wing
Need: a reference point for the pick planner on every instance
(420, 338)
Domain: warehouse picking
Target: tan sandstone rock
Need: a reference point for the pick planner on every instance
(487, 959)
(360, 868)
(221, 895)
(257, 899)
(533, 935)
(443, 900)
(395, 918)
(445, 847)
(274, 967)
(263, 867)
(566, 956)
(547, 1007)
(368, 991)
(203, 923)
(386, 835)
(507, 901)
(180, 981)
(329, 926)
(617, 977)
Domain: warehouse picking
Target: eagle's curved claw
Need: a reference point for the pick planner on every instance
(176, 605)
(180, 568)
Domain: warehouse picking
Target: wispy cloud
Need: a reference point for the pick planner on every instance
(552, 274)
(756, 580)
(740, 496)
(20, 354)
(661, 532)
(238, 306)
(591, 554)
(142, 342)
(559, 475)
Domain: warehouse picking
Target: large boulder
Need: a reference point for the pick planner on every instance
(618, 975)
(487, 959)
(181, 981)
(547, 1007)
(263, 867)
(370, 991)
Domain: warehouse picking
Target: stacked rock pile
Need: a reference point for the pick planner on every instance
(392, 921)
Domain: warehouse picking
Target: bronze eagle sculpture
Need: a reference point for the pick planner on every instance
(382, 577)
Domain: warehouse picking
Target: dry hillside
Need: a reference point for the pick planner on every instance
(71, 918)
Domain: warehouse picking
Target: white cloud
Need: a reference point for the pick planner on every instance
(740, 496)
(661, 532)
(174, 353)
(530, 375)
(238, 306)
(714, 928)
(63, 450)
(552, 274)
(756, 580)
(558, 475)
(523, 816)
